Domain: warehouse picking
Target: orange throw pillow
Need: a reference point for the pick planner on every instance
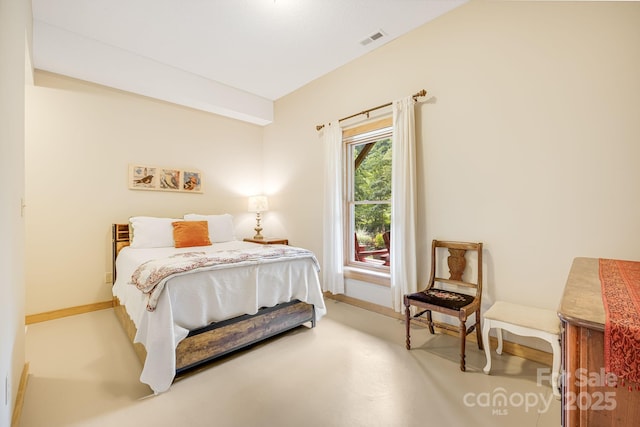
(191, 233)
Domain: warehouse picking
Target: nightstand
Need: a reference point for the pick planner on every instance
(268, 241)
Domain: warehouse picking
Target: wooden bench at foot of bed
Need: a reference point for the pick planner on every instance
(221, 338)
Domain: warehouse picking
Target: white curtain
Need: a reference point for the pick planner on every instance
(403, 211)
(333, 234)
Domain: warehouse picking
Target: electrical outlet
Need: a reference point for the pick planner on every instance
(108, 277)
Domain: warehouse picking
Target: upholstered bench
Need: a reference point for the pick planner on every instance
(525, 321)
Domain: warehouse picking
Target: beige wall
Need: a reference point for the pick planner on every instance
(15, 33)
(528, 141)
(80, 139)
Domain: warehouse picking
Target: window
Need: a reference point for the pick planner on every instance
(368, 194)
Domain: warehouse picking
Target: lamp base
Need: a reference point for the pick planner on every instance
(258, 229)
(258, 236)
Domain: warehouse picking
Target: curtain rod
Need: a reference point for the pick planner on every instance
(415, 95)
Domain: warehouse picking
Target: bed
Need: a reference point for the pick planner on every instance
(248, 293)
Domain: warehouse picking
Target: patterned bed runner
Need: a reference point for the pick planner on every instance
(621, 296)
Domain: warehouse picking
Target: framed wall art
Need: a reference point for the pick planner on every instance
(157, 178)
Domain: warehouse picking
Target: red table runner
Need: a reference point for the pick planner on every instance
(621, 296)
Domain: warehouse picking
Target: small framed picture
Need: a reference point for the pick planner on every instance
(157, 178)
(170, 179)
(143, 177)
(192, 181)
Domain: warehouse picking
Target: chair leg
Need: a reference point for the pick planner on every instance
(463, 340)
(407, 322)
(430, 320)
(478, 331)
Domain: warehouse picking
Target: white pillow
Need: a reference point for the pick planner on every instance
(220, 226)
(151, 232)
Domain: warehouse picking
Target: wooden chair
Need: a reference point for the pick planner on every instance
(442, 295)
(386, 236)
(362, 255)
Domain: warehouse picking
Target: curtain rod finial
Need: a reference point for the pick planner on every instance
(318, 127)
(421, 93)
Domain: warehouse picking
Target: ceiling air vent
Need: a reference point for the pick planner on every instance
(373, 37)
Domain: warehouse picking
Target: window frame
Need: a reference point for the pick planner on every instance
(378, 274)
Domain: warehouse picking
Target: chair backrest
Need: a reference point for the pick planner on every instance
(386, 236)
(457, 264)
(357, 249)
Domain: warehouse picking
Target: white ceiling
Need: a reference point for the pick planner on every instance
(229, 57)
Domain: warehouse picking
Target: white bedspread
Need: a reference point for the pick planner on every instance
(195, 300)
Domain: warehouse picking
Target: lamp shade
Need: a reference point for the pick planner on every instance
(258, 204)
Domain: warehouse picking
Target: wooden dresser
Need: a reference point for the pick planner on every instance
(587, 400)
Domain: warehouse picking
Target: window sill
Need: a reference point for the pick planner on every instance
(382, 278)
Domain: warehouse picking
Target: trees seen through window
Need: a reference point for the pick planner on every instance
(369, 196)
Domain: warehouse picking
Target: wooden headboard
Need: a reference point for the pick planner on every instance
(120, 239)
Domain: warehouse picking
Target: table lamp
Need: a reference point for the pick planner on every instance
(258, 204)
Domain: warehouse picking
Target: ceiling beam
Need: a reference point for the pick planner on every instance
(63, 52)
